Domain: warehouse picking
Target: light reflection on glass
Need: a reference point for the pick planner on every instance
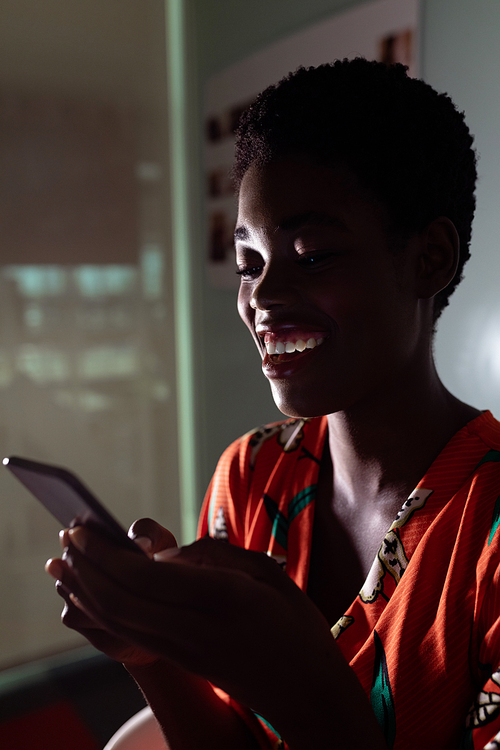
(86, 367)
(87, 370)
(152, 271)
(100, 281)
(91, 299)
(42, 365)
(37, 281)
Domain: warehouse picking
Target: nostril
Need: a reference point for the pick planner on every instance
(266, 296)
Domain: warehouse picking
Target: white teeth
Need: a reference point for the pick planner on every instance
(270, 348)
(280, 347)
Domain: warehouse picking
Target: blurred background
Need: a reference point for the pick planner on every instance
(118, 358)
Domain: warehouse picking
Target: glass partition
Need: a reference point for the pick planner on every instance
(87, 370)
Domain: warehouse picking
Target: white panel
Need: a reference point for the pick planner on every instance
(462, 57)
(354, 32)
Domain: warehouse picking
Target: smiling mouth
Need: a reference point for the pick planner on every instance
(284, 351)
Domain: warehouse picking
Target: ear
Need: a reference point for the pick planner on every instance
(438, 258)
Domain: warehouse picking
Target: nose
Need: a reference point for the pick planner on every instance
(273, 288)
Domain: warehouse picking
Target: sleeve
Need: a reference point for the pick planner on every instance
(223, 511)
(223, 517)
(483, 720)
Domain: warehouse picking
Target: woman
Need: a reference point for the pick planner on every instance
(379, 496)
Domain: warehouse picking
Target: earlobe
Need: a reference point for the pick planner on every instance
(438, 260)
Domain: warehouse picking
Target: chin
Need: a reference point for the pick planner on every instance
(298, 408)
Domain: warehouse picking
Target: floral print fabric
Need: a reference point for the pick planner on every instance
(423, 635)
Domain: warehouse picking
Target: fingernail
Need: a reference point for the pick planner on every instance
(77, 538)
(54, 568)
(166, 554)
(144, 543)
(76, 601)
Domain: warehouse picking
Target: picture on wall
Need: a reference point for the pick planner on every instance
(385, 30)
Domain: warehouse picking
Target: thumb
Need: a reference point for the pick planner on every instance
(151, 536)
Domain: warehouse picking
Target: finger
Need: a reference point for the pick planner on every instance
(159, 537)
(176, 632)
(174, 583)
(145, 544)
(132, 572)
(63, 538)
(214, 553)
(166, 555)
(161, 593)
(102, 550)
(73, 616)
(96, 601)
(89, 552)
(189, 610)
(54, 567)
(76, 617)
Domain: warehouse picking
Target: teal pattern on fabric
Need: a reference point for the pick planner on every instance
(467, 741)
(281, 523)
(300, 501)
(492, 456)
(381, 697)
(495, 523)
(267, 724)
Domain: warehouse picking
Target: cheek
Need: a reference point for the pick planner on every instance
(246, 313)
(243, 307)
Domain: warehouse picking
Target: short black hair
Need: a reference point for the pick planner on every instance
(405, 142)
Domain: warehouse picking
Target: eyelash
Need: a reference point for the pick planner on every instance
(248, 273)
(310, 259)
(307, 260)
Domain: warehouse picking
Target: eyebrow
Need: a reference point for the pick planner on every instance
(310, 218)
(291, 223)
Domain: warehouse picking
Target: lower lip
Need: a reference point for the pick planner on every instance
(279, 370)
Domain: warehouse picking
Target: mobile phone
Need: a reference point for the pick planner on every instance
(67, 498)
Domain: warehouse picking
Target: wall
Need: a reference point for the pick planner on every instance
(460, 53)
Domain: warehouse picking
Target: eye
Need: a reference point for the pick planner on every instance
(250, 272)
(309, 260)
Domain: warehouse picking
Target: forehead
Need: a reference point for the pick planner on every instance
(276, 195)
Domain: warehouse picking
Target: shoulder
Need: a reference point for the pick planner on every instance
(487, 429)
(484, 482)
(267, 442)
(246, 466)
(478, 500)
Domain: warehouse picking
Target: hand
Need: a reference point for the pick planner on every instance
(227, 614)
(234, 618)
(153, 539)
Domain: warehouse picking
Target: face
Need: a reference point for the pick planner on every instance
(333, 311)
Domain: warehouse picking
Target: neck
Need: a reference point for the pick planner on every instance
(382, 447)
